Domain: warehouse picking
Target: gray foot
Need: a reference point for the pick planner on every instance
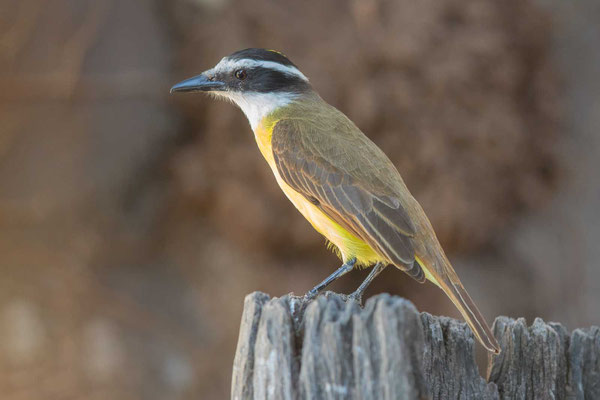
(344, 269)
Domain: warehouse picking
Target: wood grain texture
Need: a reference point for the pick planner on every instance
(333, 349)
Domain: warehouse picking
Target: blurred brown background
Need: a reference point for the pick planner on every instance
(133, 223)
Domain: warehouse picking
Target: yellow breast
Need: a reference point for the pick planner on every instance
(349, 245)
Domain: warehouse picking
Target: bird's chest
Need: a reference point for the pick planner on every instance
(313, 214)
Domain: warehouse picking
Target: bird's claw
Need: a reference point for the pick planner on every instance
(355, 296)
(309, 296)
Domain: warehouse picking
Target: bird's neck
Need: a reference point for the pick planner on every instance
(306, 107)
(256, 106)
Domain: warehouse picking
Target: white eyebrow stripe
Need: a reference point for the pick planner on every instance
(226, 65)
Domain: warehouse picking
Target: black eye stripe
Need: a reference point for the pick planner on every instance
(263, 71)
(262, 79)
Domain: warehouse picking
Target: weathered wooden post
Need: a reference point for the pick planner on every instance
(333, 349)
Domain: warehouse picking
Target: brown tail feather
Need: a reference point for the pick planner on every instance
(448, 281)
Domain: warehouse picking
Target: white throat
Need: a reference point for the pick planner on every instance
(257, 105)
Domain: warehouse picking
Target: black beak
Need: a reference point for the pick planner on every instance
(200, 83)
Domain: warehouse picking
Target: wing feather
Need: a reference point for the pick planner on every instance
(366, 207)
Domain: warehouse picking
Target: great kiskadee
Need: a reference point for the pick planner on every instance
(338, 179)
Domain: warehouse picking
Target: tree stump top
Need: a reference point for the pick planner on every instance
(332, 349)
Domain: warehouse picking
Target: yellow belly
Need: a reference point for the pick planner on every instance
(349, 245)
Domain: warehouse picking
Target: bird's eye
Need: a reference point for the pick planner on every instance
(241, 74)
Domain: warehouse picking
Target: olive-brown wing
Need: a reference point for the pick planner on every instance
(365, 207)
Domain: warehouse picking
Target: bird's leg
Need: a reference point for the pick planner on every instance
(346, 267)
(358, 293)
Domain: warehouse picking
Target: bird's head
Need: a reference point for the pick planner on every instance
(257, 80)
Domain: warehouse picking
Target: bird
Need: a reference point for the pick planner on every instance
(339, 180)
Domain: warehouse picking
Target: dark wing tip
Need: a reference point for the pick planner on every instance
(417, 272)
